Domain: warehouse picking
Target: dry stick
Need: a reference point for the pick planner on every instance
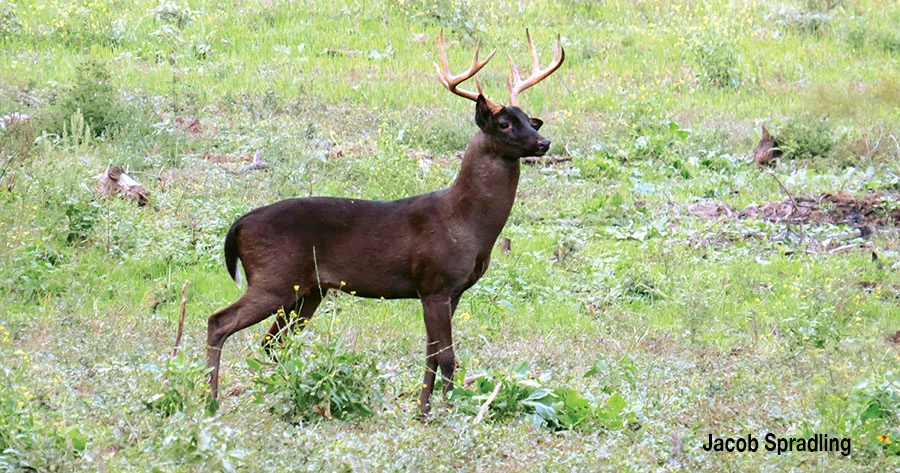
(181, 318)
(796, 208)
(845, 247)
(870, 151)
(472, 378)
(490, 399)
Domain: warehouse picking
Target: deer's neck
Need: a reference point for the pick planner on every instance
(484, 191)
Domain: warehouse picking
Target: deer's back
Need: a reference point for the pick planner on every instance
(376, 249)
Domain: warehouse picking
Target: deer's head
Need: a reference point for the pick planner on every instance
(513, 132)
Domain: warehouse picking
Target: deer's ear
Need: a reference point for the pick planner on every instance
(483, 113)
(536, 123)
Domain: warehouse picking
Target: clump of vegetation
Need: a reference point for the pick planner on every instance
(807, 137)
(716, 59)
(27, 442)
(171, 13)
(81, 217)
(458, 15)
(16, 146)
(809, 21)
(9, 21)
(861, 33)
(90, 101)
(18, 430)
(314, 379)
(195, 443)
(656, 140)
(523, 393)
(182, 385)
(889, 40)
(873, 413)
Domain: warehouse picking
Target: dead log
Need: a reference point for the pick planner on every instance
(115, 181)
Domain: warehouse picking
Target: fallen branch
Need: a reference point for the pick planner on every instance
(844, 248)
(796, 208)
(547, 160)
(341, 52)
(490, 399)
(785, 190)
(181, 319)
(871, 151)
(472, 378)
(257, 163)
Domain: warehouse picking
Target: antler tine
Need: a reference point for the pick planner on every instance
(517, 85)
(449, 81)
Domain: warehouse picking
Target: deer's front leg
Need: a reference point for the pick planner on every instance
(438, 311)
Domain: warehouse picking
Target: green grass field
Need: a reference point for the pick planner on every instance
(662, 324)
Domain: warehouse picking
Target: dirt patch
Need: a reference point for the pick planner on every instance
(878, 209)
(894, 338)
(189, 125)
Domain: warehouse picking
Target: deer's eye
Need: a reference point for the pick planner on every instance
(504, 126)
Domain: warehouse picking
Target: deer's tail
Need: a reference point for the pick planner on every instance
(232, 260)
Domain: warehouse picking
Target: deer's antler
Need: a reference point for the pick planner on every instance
(451, 82)
(517, 85)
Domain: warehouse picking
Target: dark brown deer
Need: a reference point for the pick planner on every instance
(432, 246)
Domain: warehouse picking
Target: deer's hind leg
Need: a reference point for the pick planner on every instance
(253, 307)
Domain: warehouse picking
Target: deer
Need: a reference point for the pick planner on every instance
(431, 247)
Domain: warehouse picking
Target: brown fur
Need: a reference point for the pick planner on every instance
(432, 246)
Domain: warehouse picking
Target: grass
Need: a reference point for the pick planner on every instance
(613, 286)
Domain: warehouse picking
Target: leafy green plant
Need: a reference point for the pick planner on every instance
(81, 218)
(16, 146)
(182, 385)
(889, 40)
(873, 411)
(811, 20)
(31, 272)
(814, 331)
(9, 21)
(807, 137)
(458, 15)
(716, 59)
(75, 131)
(523, 393)
(172, 13)
(93, 98)
(619, 371)
(656, 140)
(199, 443)
(317, 379)
(19, 430)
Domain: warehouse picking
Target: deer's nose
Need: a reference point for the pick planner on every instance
(544, 145)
